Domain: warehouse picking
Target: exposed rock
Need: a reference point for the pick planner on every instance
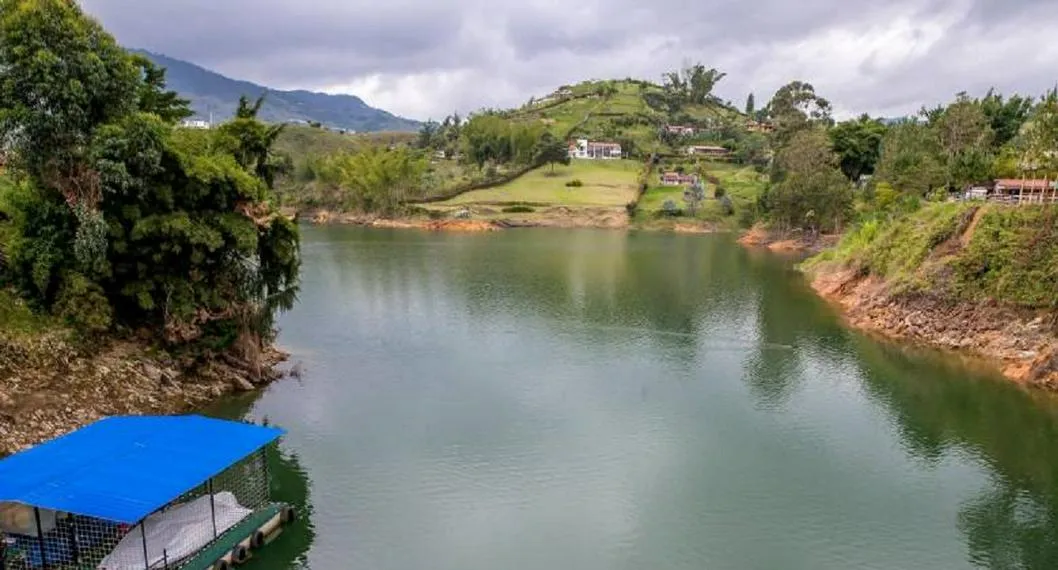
(48, 386)
(1013, 340)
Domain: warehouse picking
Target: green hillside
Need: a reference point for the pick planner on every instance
(212, 92)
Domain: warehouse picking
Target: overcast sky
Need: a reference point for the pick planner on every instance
(426, 58)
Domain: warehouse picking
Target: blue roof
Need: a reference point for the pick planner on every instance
(125, 468)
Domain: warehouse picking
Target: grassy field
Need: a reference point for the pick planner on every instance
(744, 185)
(605, 183)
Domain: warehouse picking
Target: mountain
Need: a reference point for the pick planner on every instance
(209, 91)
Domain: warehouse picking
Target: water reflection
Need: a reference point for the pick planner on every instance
(290, 484)
(621, 400)
(1013, 522)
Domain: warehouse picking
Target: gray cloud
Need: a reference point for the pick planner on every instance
(425, 58)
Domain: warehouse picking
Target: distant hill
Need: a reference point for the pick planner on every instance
(209, 91)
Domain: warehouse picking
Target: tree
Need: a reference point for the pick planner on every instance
(693, 195)
(155, 98)
(1005, 116)
(550, 150)
(428, 133)
(120, 219)
(813, 194)
(61, 76)
(796, 106)
(858, 144)
(692, 85)
(751, 106)
(1040, 139)
(965, 139)
(910, 159)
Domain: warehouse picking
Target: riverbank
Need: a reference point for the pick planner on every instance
(486, 219)
(973, 279)
(1020, 343)
(759, 236)
(51, 384)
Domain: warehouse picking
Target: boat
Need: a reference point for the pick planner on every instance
(141, 492)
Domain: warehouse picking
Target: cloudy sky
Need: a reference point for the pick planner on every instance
(426, 58)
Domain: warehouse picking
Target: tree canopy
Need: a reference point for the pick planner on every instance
(120, 218)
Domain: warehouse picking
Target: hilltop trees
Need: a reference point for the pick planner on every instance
(796, 106)
(119, 220)
(693, 85)
(751, 106)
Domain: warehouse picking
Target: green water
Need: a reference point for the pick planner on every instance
(596, 400)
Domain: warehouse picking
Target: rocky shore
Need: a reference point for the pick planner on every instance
(1022, 344)
(50, 385)
(788, 242)
(483, 219)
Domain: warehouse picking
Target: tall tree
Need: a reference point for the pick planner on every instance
(1040, 144)
(910, 159)
(1005, 116)
(123, 220)
(550, 150)
(858, 145)
(813, 194)
(751, 106)
(155, 98)
(965, 138)
(796, 106)
(61, 77)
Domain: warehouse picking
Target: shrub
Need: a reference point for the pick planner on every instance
(518, 210)
(82, 304)
(631, 208)
(719, 192)
(726, 206)
(669, 208)
(575, 183)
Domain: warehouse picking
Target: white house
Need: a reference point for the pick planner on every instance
(583, 148)
(195, 124)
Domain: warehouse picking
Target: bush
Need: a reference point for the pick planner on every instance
(575, 183)
(518, 210)
(82, 304)
(719, 192)
(726, 206)
(669, 208)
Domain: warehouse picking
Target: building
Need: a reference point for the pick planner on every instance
(1025, 190)
(680, 130)
(195, 124)
(759, 127)
(583, 148)
(677, 179)
(707, 150)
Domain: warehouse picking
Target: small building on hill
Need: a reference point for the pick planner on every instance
(677, 179)
(708, 151)
(680, 130)
(195, 124)
(591, 150)
(759, 127)
(1025, 190)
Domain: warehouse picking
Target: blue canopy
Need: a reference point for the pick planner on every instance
(124, 468)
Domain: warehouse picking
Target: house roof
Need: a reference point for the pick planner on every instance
(1027, 184)
(124, 468)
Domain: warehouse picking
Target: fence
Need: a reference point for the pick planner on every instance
(47, 540)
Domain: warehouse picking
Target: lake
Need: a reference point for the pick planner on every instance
(550, 399)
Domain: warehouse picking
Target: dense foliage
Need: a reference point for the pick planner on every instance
(116, 218)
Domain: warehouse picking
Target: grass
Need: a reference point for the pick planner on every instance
(607, 183)
(954, 250)
(16, 317)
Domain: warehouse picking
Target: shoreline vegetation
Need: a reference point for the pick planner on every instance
(142, 264)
